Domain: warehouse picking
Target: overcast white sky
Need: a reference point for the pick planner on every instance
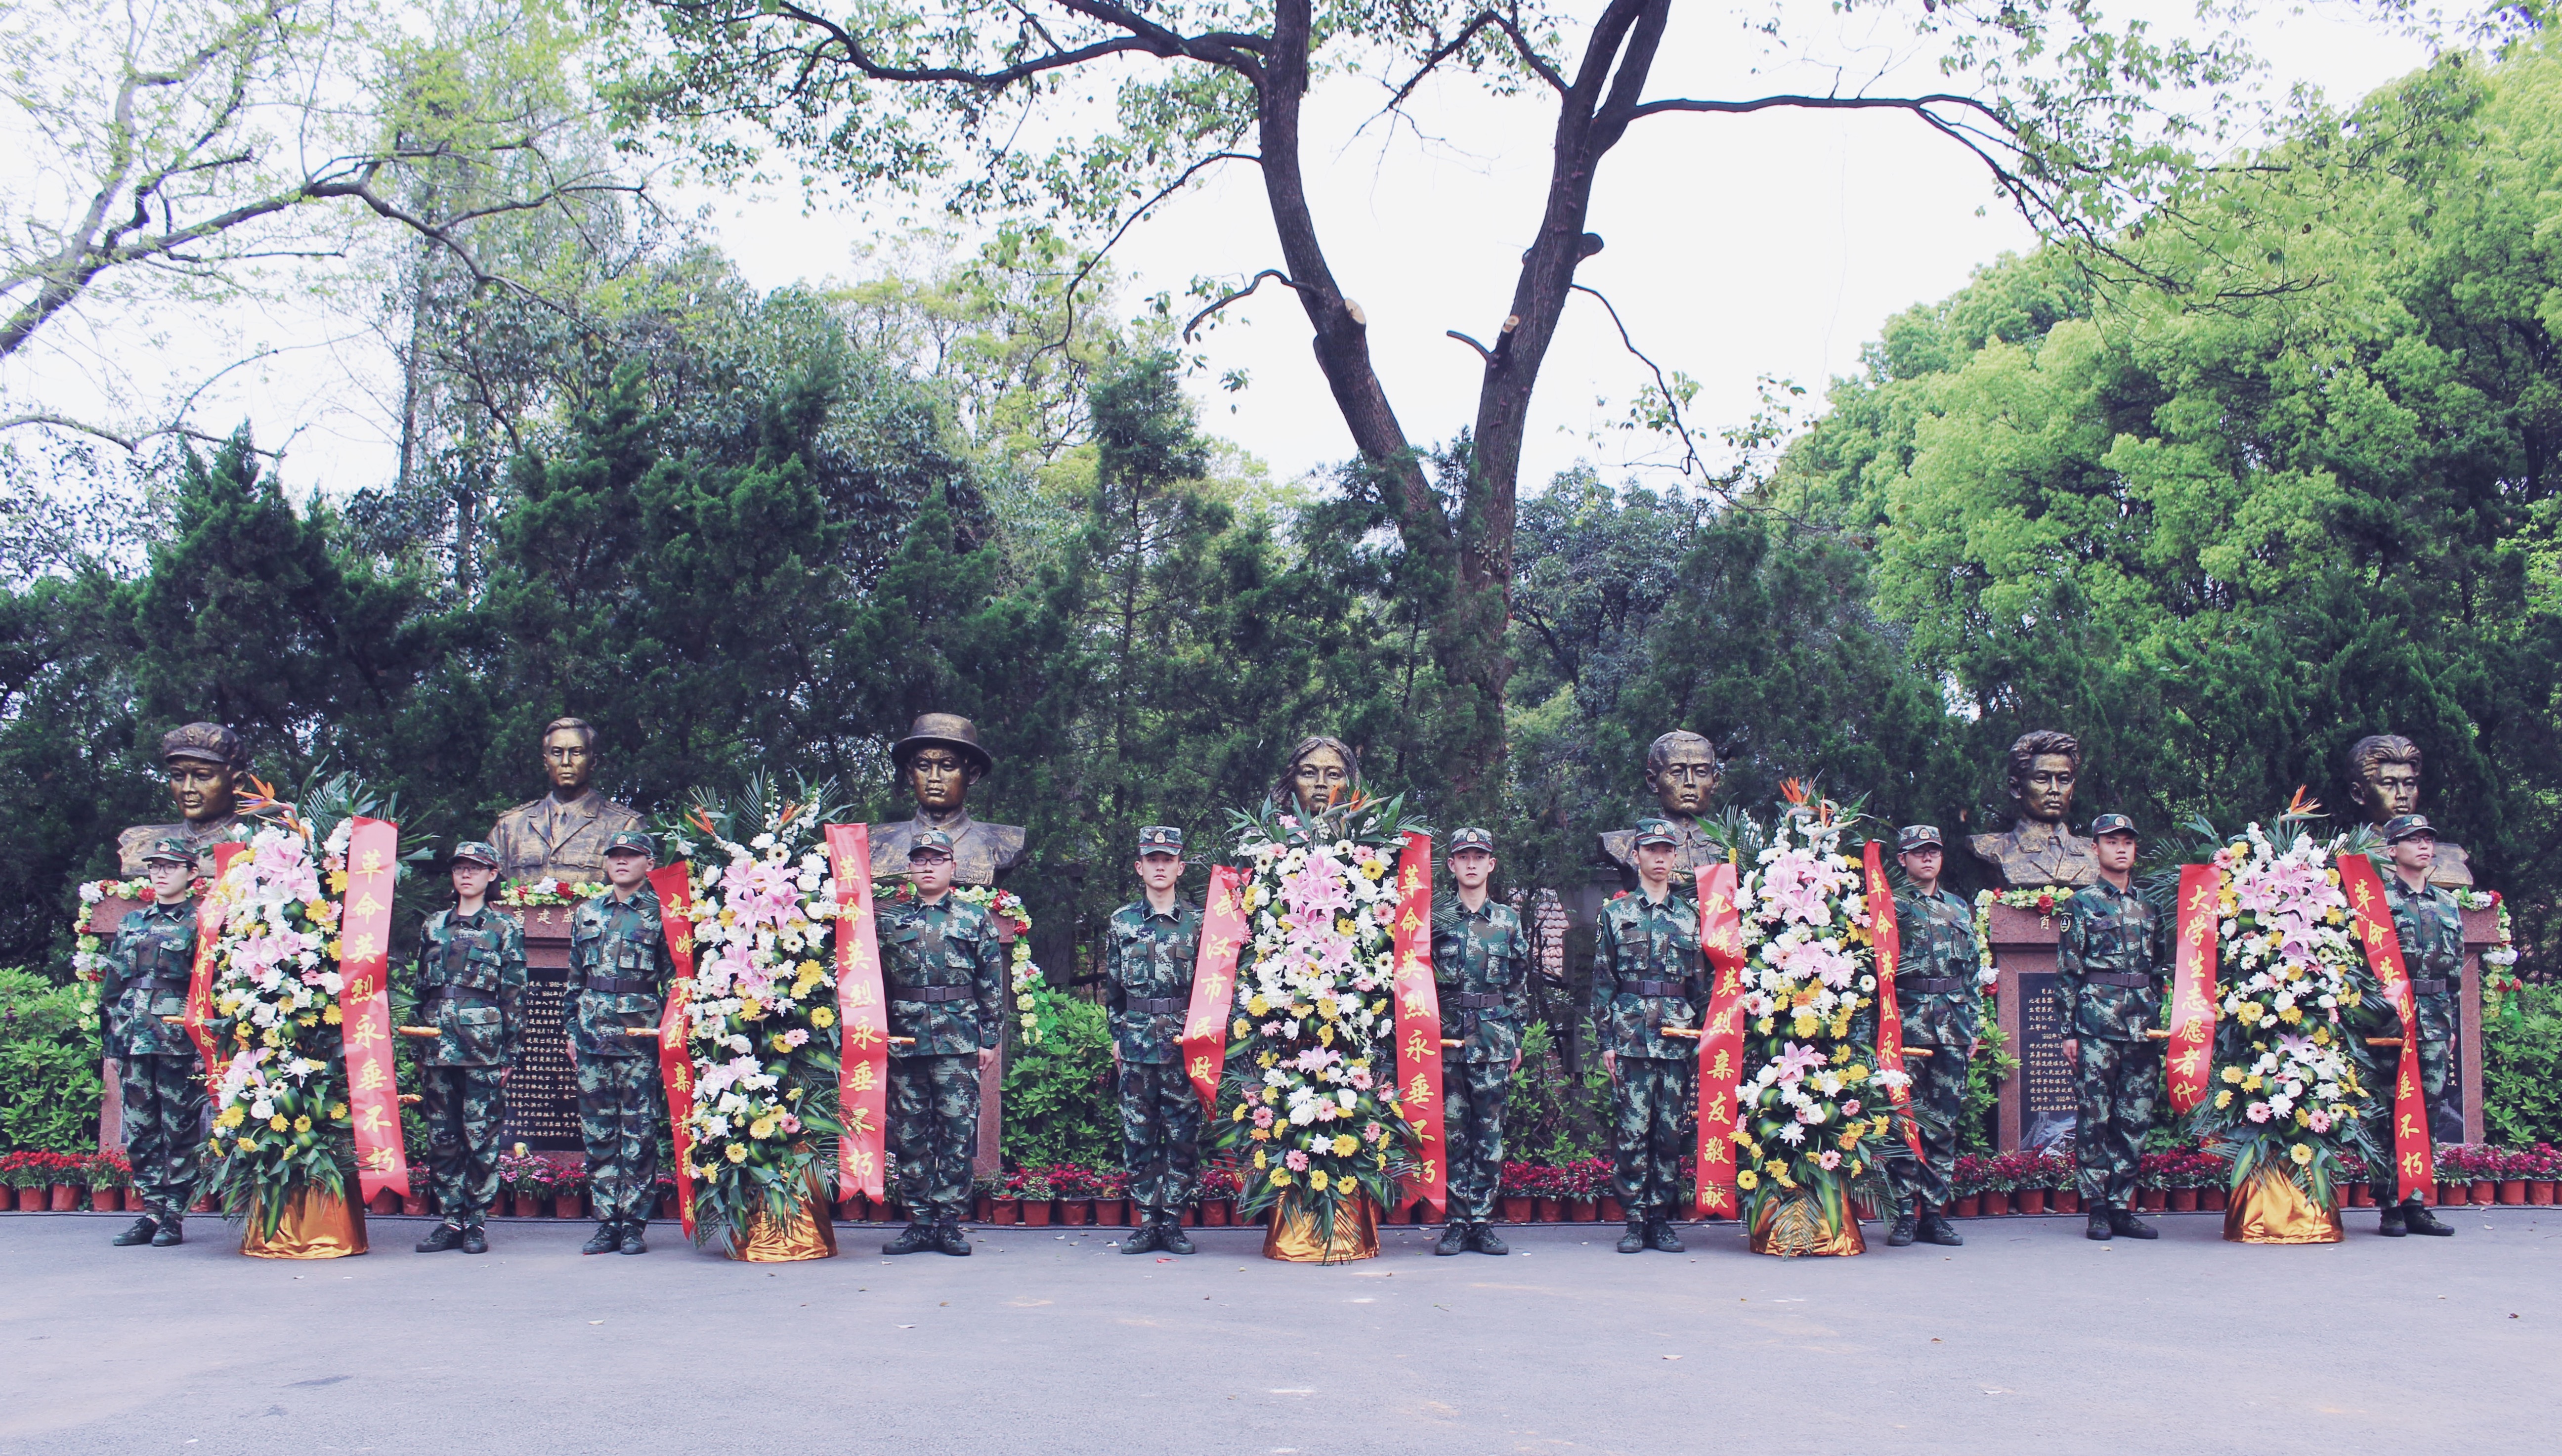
(1736, 247)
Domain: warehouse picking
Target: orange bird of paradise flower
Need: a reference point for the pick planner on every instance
(2301, 806)
(1792, 791)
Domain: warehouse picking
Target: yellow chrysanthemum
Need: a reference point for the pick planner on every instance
(245, 1144)
(2251, 1082)
(1240, 1113)
(302, 1124)
(333, 1016)
(2233, 1075)
(1240, 1028)
(1318, 1179)
(2291, 1014)
(337, 882)
(1803, 1024)
(2224, 1099)
(807, 969)
(1259, 1133)
(1855, 1072)
(1260, 1161)
(1773, 1167)
(1280, 1178)
(1258, 1004)
(1748, 1180)
(278, 1123)
(735, 1151)
(1326, 1034)
(2302, 1152)
(1345, 1145)
(760, 1129)
(2249, 1012)
(338, 1112)
(232, 1116)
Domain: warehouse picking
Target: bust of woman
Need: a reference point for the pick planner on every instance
(1324, 773)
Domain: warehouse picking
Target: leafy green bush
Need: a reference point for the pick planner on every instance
(48, 1064)
(1059, 1105)
(1548, 1118)
(2523, 1073)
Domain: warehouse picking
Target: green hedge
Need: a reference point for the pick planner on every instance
(2523, 1073)
(49, 1056)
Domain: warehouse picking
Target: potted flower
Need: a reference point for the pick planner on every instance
(1112, 1197)
(1218, 1200)
(1966, 1186)
(569, 1189)
(666, 1189)
(1073, 1187)
(2512, 1177)
(1582, 1180)
(2061, 1177)
(109, 1176)
(515, 1185)
(1036, 1194)
(2356, 1190)
(1516, 1192)
(421, 1181)
(2543, 1169)
(2000, 1174)
(2151, 1170)
(2181, 1177)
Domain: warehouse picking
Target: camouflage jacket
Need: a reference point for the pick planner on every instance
(2432, 931)
(1937, 936)
(2109, 932)
(1637, 940)
(953, 944)
(146, 978)
(1149, 957)
(620, 941)
(1480, 955)
(481, 959)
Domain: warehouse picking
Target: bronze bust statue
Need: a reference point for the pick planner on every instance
(207, 763)
(1682, 772)
(1323, 773)
(562, 835)
(2384, 781)
(2040, 847)
(938, 761)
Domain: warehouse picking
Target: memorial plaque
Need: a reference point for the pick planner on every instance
(542, 1088)
(103, 918)
(2047, 1110)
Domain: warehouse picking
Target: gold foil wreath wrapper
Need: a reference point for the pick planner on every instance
(1794, 1227)
(1292, 1237)
(315, 1226)
(2268, 1208)
(810, 1233)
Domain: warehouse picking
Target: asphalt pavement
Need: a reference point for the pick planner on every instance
(2028, 1339)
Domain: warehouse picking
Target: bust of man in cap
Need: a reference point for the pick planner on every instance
(207, 763)
(2384, 781)
(562, 835)
(938, 761)
(2040, 848)
(1682, 772)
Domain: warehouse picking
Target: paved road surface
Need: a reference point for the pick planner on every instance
(2030, 1339)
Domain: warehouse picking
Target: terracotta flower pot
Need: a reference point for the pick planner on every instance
(1219, 1213)
(386, 1202)
(2211, 1199)
(2486, 1192)
(2451, 1194)
(1517, 1209)
(667, 1209)
(2068, 1201)
(205, 1205)
(2512, 1190)
(1191, 1217)
(2539, 1192)
(2356, 1195)
(1004, 1211)
(1968, 1206)
(1037, 1212)
(414, 1204)
(569, 1205)
(1612, 1211)
(1580, 1210)
(1122, 1214)
(2152, 1199)
(2032, 1200)
(2183, 1201)
(106, 1200)
(1994, 1202)
(31, 1201)
(986, 1207)
(1076, 1212)
(1549, 1213)
(66, 1199)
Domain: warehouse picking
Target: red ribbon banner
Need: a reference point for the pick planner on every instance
(1205, 1041)
(2192, 986)
(1888, 941)
(1720, 1041)
(1418, 1019)
(365, 1005)
(675, 886)
(2414, 1162)
(863, 1063)
(200, 975)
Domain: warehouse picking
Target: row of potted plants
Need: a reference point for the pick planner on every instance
(61, 1182)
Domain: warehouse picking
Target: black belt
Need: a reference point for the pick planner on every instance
(461, 993)
(1655, 987)
(1477, 1000)
(2134, 979)
(1149, 1005)
(1930, 986)
(161, 983)
(618, 986)
(931, 993)
(2435, 985)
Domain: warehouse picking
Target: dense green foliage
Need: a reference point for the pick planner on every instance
(49, 1066)
(2522, 1073)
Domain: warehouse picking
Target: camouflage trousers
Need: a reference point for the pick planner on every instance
(2114, 1086)
(1653, 1107)
(618, 1117)
(1938, 1109)
(165, 1129)
(934, 1131)
(465, 1111)
(1472, 1130)
(1161, 1127)
(2436, 1075)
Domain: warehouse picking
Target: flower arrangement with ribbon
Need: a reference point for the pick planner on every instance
(761, 1024)
(2284, 1093)
(1813, 1111)
(2499, 979)
(1314, 1114)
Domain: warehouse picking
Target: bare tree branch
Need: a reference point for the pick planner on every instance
(1251, 284)
(1068, 331)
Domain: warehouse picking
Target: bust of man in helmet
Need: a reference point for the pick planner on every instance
(206, 764)
(938, 761)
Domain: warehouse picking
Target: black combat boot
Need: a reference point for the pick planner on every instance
(2101, 1227)
(1660, 1235)
(2391, 1224)
(633, 1242)
(1169, 1234)
(605, 1240)
(1634, 1240)
(439, 1238)
(1935, 1229)
(2418, 1218)
(139, 1234)
(948, 1238)
(1144, 1238)
(916, 1238)
(2124, 1220)
(1454, 1238)
(171, 1234)
(1482, 1240)
(1900, 1235)
(476, 1240)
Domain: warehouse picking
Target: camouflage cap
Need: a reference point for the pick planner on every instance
(2404, 827)
(1160, 840)
(2112, 824)
(168, 849)
(931, 841)
(207, 742)
(476, 852)
(1917, 837)
(1655, 831)
(1472, 838)
(633, 842)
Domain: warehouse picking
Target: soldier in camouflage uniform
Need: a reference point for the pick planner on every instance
(618, 984)
(2430, 928)
(1935, 991)
(943, 971)
(1481, 973)
(1148, 955)
(161, 1076)
(1647, 975)
(469, 974)
(2108, 978)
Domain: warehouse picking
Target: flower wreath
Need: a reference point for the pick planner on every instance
(89, 955)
